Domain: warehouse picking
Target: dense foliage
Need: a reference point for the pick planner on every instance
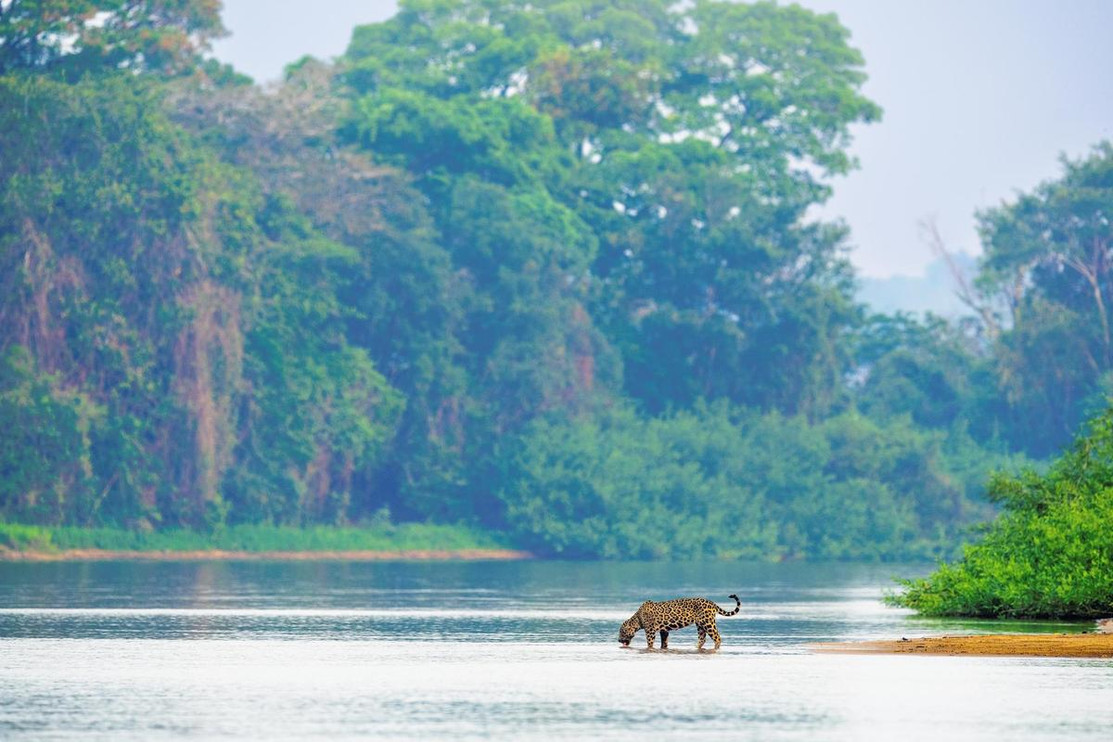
(1049, 555)
(728, 483)
(543, 268)
(173, 347)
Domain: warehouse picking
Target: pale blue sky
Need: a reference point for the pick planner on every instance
(980, 98)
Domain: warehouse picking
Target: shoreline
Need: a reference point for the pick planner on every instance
(223, 555)
(1093, 645)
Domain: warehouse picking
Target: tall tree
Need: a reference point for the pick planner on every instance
(1049, 264)
(520, 254)
(687, 138)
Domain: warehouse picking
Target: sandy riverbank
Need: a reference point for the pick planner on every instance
(1016, 645)
(103, 555)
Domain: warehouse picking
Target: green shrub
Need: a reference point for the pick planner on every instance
(720, 482)
(1049, 555)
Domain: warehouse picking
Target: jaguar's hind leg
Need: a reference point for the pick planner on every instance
(702, 636)
(664, 639)
(714, 631)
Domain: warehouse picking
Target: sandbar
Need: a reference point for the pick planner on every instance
(985, 645)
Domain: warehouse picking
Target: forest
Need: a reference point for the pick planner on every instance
(543, 269)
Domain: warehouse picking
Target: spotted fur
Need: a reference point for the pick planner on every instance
(671, 615)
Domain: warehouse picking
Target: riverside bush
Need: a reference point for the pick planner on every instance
(1049, 554)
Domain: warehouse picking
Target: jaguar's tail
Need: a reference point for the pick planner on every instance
(737, 607)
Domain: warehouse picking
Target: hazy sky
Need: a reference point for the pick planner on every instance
(980, 98)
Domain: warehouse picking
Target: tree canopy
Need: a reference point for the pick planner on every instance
(1048, 270)
(685, 142)
(95, 36)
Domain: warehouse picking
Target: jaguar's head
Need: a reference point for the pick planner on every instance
(626, 632)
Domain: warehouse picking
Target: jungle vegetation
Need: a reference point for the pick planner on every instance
(543, 269)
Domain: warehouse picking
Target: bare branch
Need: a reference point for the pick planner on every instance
(966, 293)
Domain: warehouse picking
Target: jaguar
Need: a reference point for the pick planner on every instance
(670, 615)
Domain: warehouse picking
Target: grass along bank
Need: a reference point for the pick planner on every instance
(404, 540)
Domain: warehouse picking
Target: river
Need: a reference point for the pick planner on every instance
(522, 650)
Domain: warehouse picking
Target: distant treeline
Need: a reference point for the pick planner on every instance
(540, 268)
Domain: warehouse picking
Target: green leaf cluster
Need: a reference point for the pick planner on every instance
(75, 38)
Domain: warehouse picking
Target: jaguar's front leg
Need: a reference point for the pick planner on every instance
(664, 639)
(650, 635)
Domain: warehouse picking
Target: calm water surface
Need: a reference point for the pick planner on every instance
(500, 650)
